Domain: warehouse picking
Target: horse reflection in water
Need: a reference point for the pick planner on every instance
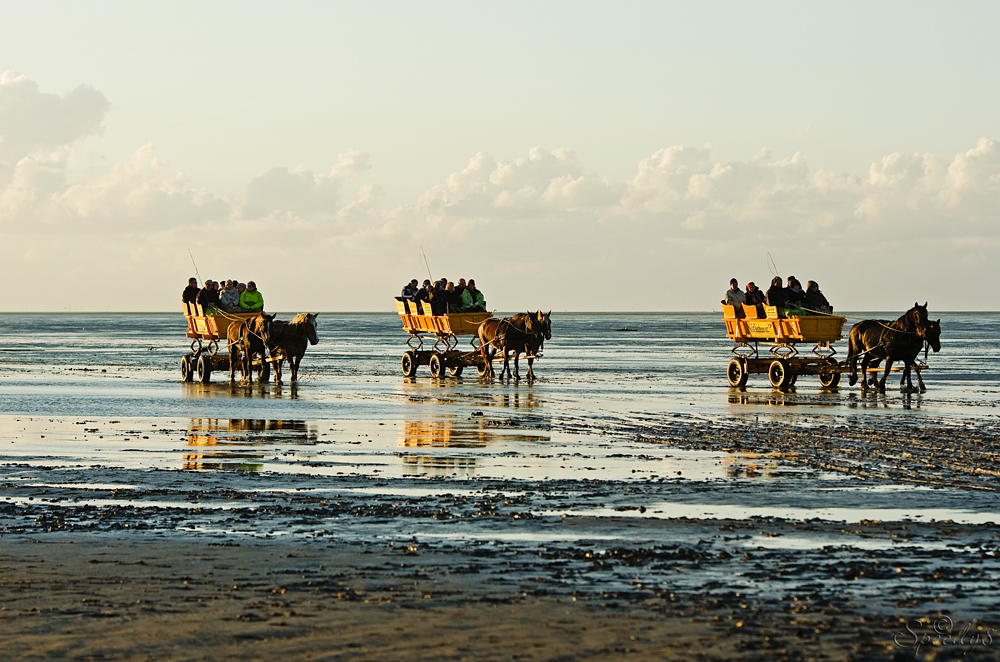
(237, 444)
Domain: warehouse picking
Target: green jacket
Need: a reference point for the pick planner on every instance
(469, 302)
(251, 300)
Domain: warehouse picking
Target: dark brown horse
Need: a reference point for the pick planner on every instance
(521, 334)
(245, 339)
(288, 341)
(928, 336)
(900, 340)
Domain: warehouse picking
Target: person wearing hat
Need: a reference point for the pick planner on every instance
(251, 301)
(208, 298)
(734, 295)
(229, 299)
(753, 296)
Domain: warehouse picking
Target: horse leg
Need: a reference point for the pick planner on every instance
(920, 381)
(852, 360)
(293, 363)
(885, 375)
(531, 373)
(864, 373)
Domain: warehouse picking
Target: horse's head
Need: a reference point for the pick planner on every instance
(931, 333)
(545, 319)
(262, 327)
(311, 328)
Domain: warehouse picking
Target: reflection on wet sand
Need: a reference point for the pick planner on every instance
(241, 433)
(226, 390)
(452, 432)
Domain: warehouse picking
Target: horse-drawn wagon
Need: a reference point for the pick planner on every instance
(749, 326)
(419, 320)
(206, 330)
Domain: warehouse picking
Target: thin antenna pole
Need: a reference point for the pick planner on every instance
(195, 266)
(423, 262)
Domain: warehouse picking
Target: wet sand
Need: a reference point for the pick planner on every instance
(627, 493)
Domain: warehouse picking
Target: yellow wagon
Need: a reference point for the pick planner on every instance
(418, 321)
(749, 326)
(205, 357)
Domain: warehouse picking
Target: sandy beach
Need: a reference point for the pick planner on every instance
(638, 508)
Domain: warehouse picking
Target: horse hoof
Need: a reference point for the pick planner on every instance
(853, 380)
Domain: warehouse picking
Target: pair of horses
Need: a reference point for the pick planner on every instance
(264, 336)
(524, 333)
(874, 341)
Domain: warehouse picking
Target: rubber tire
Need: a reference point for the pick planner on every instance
(737, 373)
(780, 374)
(204, 369)
(409, 364)
(482, 368)
(829, 379)
(263, 371)
(795, 378)
(437, 366)
(187, 370)
(456, 371)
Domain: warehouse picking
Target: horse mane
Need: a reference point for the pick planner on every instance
(301, 318)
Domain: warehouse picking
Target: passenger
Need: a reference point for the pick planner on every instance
(438, 296)
(776, 295)
(229, 299)
(251, 301)
(454, 299)
(734, 295)
(410, 290)
(190, 294)
(423, 294)
(794, 294)
(460, 288)
(815, 301)
(753, 295)
(208, 297)
(472, 299)
(240, 289)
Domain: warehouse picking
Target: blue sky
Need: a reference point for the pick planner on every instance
(561, 147)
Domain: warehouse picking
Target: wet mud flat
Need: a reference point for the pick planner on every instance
(799, 542)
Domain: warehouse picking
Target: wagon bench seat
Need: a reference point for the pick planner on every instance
(422, 321)
(751, 326)
(214, 326)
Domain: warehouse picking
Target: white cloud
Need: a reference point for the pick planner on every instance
(300, 191)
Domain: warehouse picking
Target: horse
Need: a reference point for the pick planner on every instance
(288, 340)
(893, 341)
(930, 335)
(540, 328)
(248, 337)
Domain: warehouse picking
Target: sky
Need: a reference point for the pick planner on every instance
(574, 156)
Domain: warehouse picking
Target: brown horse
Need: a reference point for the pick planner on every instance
(520, 334)
(930, 335)
(540, 328)
(289, 341)
(890, 341)
(245, 339)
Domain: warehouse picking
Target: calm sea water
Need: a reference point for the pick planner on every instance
(596, 366)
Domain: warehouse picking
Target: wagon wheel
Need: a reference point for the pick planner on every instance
(455, 370)
(795, 378)
(437, 366)
(187, 369)
(262, 370)
(482, 368)
(737, 373)
(204, 369)
(829, 379)
(409, 364)
(780, 374)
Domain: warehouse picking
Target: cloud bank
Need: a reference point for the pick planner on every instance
(545, 223)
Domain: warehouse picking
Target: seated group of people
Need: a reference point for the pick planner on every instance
(233, 297)
(791, 301)
(445, 297)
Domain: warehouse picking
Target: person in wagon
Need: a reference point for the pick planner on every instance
(734, 295)
(190, 294)
(753, 295)
(251, 301)
(776, 295)
(208, 298)
(472, 299)
(423, 294)
(229, 300)
(815, 301)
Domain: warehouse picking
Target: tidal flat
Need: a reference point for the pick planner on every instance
(628, 503)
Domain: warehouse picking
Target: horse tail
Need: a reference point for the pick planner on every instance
(852, 353)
